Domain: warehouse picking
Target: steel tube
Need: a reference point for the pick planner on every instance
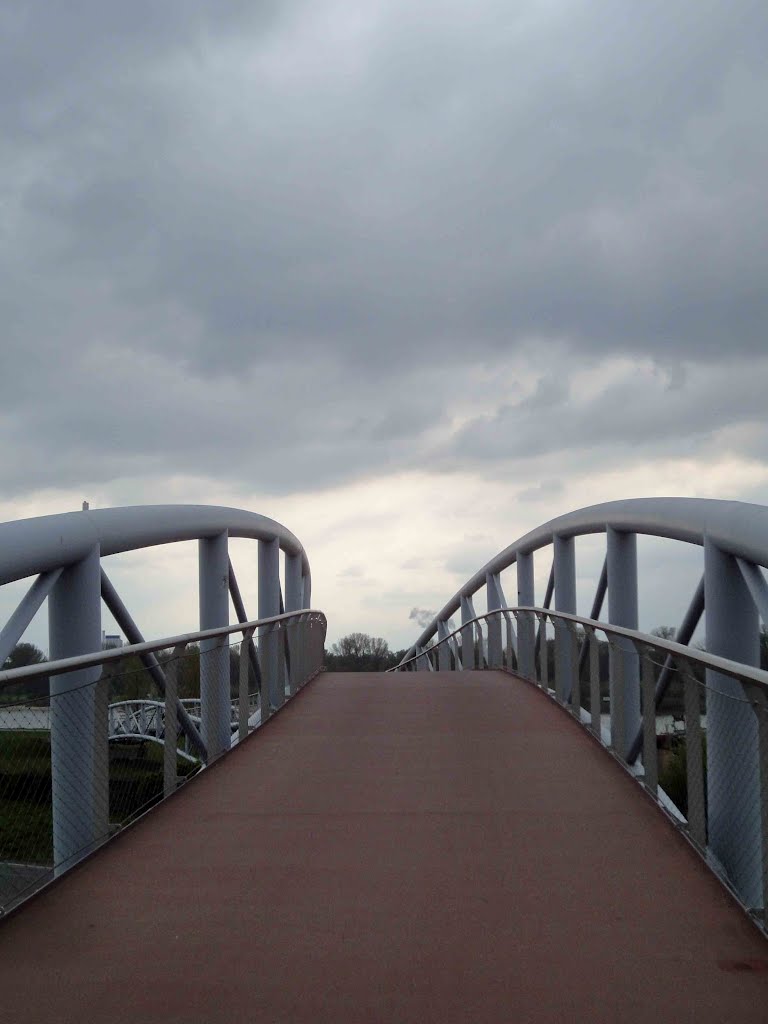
(215, 711)
(29, 546)
(26, 611)
(565, 601)
(467, 634)
(623, 611)
(494, 602)
(737, 527)
(170, 721)
(444, 651)
(269, 605)
(80, 799)
(733, 776)
(526, 629)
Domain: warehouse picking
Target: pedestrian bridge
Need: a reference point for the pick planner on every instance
(500, 830)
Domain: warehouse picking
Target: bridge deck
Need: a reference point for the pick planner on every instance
(424, 847)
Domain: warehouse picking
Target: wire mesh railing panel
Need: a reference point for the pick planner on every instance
(84, 753)
(732, 793)
(693, 733)
(669, 709)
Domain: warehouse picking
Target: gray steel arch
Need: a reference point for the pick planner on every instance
(42, 544)
(736, 527)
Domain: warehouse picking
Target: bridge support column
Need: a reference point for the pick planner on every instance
(467, 634)
(526, 626)
(565, 601)
(215, 699)
(733, 778)
(79, 716)
(494, 601)
(269, 605)
(623, 611)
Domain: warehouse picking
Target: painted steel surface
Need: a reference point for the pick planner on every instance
(29, 546)
(737, 528)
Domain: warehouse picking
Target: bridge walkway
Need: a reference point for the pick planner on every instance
(419, 847)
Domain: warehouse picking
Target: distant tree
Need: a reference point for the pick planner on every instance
(24, 654)
(664, 632)
(359, 652)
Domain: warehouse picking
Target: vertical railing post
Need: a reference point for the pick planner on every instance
(80, 787)
(215, 701)
(733, 773)
(443, 651)
(650, 752)
(481, 656)
(305, 633)
(467, 634)
(694, 756)
(494, 602)
(280, 635)
(595, 704)
(526, 628)
(243, 697)
(623, 611)
(170, 720)
(617, 692)
(299, 657)
(269, 605)
(543, 654)
(761, 710)
(575, 695)
(565, 601)
(294, 597)
(453, 643)
(422, 661)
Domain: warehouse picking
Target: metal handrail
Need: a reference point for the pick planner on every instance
(722, 807)
(86, 800)
(62, 665)
(756, 676)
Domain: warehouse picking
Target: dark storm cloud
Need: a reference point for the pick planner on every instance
(271, 241)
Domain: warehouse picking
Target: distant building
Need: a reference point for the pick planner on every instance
(109, 641)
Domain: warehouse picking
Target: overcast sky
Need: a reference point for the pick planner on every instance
(410, 277)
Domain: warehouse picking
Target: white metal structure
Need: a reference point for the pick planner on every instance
(64, 553)
(732, 596)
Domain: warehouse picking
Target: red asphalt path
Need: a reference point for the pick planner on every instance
(404, 848)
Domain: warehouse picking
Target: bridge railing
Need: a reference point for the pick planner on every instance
(588, 667)
(81, 759)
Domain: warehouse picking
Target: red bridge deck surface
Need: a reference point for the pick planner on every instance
(422, 847)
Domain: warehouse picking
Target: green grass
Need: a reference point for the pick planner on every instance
(25, 791)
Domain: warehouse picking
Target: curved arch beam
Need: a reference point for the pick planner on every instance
(736, 527)
(29, 546)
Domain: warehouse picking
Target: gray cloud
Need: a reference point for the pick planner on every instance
(270, 242)
(636, 414)
(421, 616)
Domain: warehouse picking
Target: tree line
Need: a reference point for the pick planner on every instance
(359, 652)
